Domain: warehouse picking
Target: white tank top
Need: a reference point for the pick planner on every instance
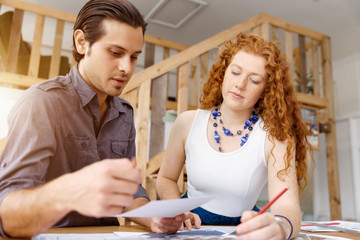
(237, 177)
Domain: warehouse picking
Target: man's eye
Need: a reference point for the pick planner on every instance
(115, 53)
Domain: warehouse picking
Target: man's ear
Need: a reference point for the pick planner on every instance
(80, 41)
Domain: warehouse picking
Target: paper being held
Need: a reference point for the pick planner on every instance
(167, 208)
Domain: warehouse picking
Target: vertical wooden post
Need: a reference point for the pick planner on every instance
(56, 55)
(302, 64)
(289, 53)
(203, 68)
(142, 128)
(36, 47)
(264, 30)
(182, 103)
(331, 145)
(14, 41)
(314, 67)
(193, 83)
(256, 30)
(131, 97)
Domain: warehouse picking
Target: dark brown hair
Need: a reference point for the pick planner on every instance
(277, 106)
(92, 14)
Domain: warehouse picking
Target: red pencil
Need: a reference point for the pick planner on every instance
(272, 201)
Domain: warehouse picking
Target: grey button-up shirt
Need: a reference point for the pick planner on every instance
(54, 129)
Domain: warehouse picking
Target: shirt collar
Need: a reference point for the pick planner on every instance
(86, 93)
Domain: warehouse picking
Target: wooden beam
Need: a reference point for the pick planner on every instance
(20, 80)
(36, 47)
(26, 6)
(14, 41)
(204, 71)
(289, 54)
(56, 54)
(142, 128)
(288, 26)
(165, 43)
(302, 64)
(190, 53)
(265, 30)
(154, 163)
(182, 103)
(193, 82)
(331, 144)
(311, 100)
(315, 68)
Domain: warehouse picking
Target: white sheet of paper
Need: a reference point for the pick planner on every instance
(167, 208)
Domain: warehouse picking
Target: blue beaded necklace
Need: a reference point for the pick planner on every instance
(248, 125)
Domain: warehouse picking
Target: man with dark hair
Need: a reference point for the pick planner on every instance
(66, 160)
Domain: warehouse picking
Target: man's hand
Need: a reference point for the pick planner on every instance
(101, 189)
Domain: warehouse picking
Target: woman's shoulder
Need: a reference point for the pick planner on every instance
(186, 117)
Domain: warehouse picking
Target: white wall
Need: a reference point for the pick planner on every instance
(8, 97)
(346, 75)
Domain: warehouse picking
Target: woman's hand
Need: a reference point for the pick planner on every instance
(190, 220)
(172, 225)
(259, 227)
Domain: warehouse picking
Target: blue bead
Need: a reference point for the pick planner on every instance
(255, 118)
(246, 135)
(215, 125)
(216, 137)
(247, 123)
(231, 134)
(215, 132)
(238, 132)
(250, 128)
(244, 139)
(227, 132)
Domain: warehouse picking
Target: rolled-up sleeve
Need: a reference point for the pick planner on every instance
(29, 146)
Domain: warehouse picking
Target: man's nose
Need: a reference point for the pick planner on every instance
(125, 65)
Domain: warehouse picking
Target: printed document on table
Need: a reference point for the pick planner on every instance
(306, 226)
(167, 208)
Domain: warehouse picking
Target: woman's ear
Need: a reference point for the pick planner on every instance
(81, 43)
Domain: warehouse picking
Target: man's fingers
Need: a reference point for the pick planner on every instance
(122, 169)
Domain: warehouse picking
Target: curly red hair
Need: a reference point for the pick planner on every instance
(277, 106)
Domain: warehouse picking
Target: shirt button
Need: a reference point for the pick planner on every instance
(83, 145)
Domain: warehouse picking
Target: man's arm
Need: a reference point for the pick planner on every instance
(102, 189)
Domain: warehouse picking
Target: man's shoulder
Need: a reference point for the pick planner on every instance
(58, 83)
(124, 104)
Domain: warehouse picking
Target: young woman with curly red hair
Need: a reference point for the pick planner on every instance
(248, 132)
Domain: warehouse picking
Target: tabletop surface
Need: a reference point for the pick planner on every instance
(137, 228)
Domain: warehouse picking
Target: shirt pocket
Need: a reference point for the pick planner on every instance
(79, 152)
(119, 149)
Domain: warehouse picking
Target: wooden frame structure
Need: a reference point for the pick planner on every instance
(306, 50)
